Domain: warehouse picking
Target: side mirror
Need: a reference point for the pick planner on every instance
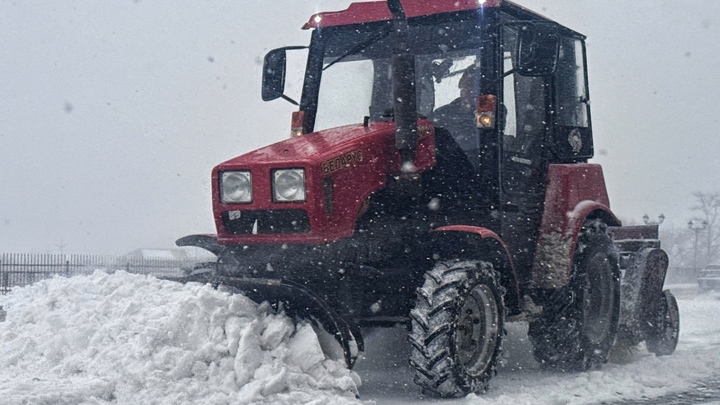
(273, 80)
(274, 68)
(537, 50)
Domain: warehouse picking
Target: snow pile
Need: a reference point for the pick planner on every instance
(131, 339)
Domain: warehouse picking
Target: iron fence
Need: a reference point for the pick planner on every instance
(20, 269)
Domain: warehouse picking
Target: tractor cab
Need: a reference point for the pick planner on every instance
(505, 90)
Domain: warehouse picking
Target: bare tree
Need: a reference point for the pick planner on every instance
(698, 244)
(708, 207)
(677, 242)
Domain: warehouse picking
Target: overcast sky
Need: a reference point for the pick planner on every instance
(113, 113)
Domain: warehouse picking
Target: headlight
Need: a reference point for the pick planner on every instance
(289, 185)
(236, 187)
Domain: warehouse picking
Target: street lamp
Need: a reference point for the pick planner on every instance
(659, 221)
(697, 226)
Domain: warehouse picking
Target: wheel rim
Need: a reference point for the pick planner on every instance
(599, 299)
(477, 329)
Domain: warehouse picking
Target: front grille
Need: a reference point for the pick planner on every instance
(266, 222)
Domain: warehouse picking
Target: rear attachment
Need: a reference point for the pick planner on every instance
(647, 313)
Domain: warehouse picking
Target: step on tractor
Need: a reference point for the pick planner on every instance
(436, 176)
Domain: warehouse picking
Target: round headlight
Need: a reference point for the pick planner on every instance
(289, 185)
(236, 187)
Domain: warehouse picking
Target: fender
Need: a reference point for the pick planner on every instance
(575, 193)
(453, 240)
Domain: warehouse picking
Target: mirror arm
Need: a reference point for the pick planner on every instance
(290, 100)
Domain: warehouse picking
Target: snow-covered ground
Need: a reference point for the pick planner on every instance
(635, 374)
(129, 339)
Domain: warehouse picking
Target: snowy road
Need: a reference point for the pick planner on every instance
(690, 375)
(129, 339)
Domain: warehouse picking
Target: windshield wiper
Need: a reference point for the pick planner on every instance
(362, 45)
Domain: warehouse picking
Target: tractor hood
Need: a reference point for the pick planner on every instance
(312, 148)
(375, 143)
(341, 167)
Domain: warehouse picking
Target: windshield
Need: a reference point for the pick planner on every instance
(356, 75)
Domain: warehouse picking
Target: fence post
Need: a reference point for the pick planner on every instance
(3, 286)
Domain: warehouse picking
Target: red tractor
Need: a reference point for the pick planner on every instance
(438, 177)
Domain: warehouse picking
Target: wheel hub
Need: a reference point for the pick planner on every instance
(477, 328)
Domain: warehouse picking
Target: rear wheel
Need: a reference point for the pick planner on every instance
(664, 337)
(579, 322)
(457, 328)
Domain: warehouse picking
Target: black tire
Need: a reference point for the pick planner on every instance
(579, 322)
(667, 327)
(457, 328)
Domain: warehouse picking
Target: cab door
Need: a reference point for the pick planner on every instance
(525, 114)
(545, 119)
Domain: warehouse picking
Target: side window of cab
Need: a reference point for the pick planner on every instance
(572, 137)
(524, 115)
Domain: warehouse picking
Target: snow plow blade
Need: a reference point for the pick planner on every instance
(646, 311)
(207, 242)
(297, 300)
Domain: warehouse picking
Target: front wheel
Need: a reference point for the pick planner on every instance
(457, 328)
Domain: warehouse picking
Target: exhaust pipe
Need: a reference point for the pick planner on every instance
(403, 77)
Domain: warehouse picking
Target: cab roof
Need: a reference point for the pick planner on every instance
(373, 11)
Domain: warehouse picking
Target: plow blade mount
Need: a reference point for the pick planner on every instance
(296, 300)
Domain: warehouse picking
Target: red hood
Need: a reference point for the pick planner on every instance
(315, 147)
(343, 167)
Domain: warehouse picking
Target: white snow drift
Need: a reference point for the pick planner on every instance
(132, 339)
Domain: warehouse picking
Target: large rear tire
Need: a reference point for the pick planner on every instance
(457, 328)
(579, 322)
